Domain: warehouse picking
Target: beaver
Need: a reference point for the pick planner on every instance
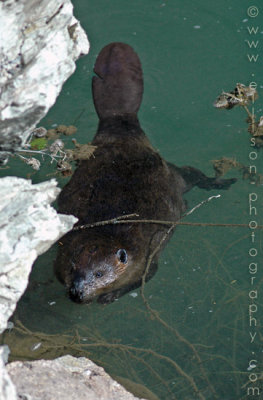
(125, 176)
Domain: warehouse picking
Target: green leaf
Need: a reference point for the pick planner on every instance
(38, 143)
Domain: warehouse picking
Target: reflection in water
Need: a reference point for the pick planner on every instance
(126, 176)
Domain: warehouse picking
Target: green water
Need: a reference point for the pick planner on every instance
(201, 347)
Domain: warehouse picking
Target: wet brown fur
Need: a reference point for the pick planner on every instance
(125, 176)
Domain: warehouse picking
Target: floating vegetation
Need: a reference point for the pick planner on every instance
(81, 151)
(243, 96)
(45, 143)
(224, 164)
(38, 143)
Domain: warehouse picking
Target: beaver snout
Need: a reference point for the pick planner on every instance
(77, 289)
(86, 283)
(81, 282)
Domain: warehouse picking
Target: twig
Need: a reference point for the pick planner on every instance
(49, 339)
(200, 204)
(219, 225)
(123, 218)
(160, 222)
(251, 116)
(116, 220)
(120, 346)
(39, 152)
(171, 224)
(155, 313)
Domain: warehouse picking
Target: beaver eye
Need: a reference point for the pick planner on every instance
(98, 274)
(122, 256)
(93, 249)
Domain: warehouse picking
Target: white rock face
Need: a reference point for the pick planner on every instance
(28, 227)
(66, 378)
(40, 41)
(7, 388)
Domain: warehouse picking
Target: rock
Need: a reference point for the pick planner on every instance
(136, 388)
(4, 353)
(28, 227)
(7, 388)
(40, 42)
(65, 378)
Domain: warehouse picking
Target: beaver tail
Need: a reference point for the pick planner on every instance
(118, 87)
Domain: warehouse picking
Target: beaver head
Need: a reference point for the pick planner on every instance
(91, 266)
(96, 272)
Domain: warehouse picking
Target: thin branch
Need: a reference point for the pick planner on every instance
(123, 218)
(200, 204)
(156, 315)
(39, 152)
(117, 220)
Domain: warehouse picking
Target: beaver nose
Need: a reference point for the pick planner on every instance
(76, 291)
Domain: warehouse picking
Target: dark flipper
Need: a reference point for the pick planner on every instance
(118, 87)
(194, 177)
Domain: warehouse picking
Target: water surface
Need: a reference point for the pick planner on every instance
(192, 338)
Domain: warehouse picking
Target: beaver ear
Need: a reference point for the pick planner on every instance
(118, 87)
(122, 256)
